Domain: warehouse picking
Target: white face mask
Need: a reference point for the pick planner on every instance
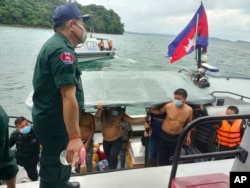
(178, 102)
(84, 35)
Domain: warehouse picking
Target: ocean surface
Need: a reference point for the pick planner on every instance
(20, 46)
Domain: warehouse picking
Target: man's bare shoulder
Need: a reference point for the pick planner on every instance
(188, 108)
(169, 105)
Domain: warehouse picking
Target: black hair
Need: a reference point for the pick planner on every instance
(182, 92)
(234, 108)
(19, 120)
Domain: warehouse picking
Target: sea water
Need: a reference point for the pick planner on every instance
(20, 46)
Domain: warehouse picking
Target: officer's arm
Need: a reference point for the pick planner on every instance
(12, 139)
(70, 110)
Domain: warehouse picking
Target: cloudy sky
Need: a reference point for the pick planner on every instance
(227, 19)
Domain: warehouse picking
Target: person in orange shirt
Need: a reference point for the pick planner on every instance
(101, 45)
(110, 45)
(230, 132)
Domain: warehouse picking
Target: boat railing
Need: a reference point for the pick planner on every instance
(227, 92)
(241, 153)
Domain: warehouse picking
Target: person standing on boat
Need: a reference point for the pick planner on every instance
(8, 165)
(204, 134)
(27, 147)
(101, 45)
(87, 129)
(230, 132)
(111, 119)
(153, 130)
(110, 44)
(178, 115)
(58, 97)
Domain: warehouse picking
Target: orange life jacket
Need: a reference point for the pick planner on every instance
(110, 44)
(229, 135)
(101, 44)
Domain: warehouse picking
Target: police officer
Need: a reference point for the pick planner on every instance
(27, 147)
(8, 166)
(58, 97)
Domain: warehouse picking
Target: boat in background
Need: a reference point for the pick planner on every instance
(89, 51)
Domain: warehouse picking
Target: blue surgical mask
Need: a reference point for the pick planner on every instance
(177, 102)
(115, 113)
(25, 130)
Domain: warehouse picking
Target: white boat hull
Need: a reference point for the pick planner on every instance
(94, 56)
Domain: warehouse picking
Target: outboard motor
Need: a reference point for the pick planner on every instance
(200, 79)
(203, 82)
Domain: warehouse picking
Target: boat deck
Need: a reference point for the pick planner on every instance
(157, 176)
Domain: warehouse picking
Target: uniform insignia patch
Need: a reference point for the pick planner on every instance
(67, 58)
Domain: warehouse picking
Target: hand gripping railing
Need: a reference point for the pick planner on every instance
(240, 152)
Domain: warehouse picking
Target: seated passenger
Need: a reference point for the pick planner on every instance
(111, 119)
(27, 147)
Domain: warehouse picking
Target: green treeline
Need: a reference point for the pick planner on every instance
(38, 13)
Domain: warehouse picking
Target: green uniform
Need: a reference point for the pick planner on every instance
(55, 68)
(8, 166)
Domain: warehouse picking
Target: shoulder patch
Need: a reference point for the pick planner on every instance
(67, 58)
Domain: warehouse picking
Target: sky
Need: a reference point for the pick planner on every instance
(227, 19)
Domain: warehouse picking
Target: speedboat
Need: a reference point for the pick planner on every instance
(142, 89)
(89, 51)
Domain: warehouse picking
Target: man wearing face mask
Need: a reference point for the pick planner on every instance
(178, 115)
(58, 97)
(111, 119)
(27, 147)
(230, 132)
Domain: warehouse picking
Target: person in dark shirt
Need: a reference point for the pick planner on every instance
(27, 147)
(205, 133)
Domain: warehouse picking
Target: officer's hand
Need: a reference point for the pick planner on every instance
(73, 151)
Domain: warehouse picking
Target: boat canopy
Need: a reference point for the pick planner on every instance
(139, 88)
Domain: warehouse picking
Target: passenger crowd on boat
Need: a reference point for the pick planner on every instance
(208, 137)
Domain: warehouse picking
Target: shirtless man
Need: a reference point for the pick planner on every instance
(111, 119)
(179, 115)
(87, 129)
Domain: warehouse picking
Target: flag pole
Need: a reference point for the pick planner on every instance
(197, 47)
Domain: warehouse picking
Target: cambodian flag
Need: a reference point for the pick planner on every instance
(195, 33)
